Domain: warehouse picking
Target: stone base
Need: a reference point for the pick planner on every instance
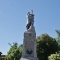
(29, 58)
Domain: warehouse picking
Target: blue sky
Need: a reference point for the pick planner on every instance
(13, 19)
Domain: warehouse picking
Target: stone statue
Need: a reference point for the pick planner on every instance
(30, 19)
(29, 41)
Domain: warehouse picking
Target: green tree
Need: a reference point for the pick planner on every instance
(46, 45)
(0, 54)
(58, 38)
(54, 56)
(58, 34)
(14, 52)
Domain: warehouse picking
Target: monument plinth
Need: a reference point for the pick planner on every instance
(29, 41)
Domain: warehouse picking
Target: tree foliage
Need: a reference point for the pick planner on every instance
(46, 45)
(54, 56)
(58, 38)
(14, 52)
(0, 54)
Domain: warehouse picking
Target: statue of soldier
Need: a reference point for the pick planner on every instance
(30, 19)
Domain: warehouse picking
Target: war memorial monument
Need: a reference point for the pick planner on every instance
(29, 41)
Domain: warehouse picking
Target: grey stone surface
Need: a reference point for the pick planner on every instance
(31, 58)
(29, 44)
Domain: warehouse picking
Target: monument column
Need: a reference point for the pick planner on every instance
(29, 41)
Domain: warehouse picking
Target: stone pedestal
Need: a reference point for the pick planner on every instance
(29, 45)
